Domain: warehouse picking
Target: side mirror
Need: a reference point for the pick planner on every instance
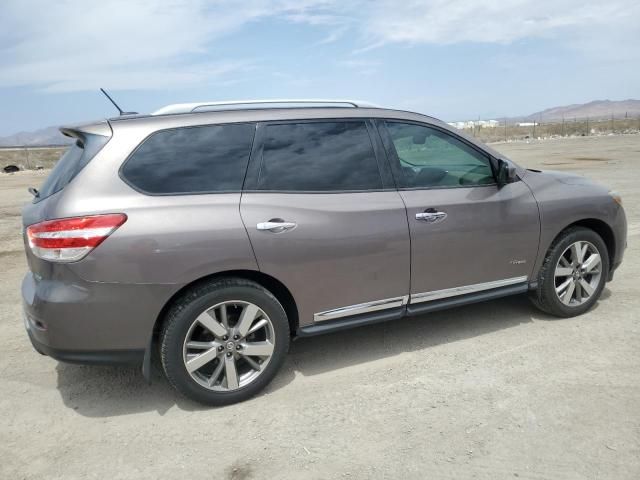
(505, 173)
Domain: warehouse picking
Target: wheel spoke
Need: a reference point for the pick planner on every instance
(199, 345)
(257, 349)
(586, 287)
(578, 292)
(211, 324)
(563, 286)
(564, 271)
(231, 372)
(577, 252)
(202, 359)
(247, 317)
(257, 326)
(216, 373)
(568, 294)
(255, 365)
(592, 262)
(223, 317)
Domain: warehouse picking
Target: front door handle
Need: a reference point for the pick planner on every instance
(431, 216)
(276, 225)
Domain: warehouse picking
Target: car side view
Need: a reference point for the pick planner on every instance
(211, 234)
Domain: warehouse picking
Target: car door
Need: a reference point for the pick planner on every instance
(322, 220)
(468, 234)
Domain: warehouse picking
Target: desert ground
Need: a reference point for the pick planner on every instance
(489, 391)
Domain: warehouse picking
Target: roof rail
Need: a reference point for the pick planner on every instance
(275, 103)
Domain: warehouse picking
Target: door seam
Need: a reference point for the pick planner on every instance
(406, 214)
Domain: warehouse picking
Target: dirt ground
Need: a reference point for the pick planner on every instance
(489, 391)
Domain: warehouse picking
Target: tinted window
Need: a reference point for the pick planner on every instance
(429, 157)
(320, 156)
(192, 159)
(71, 162)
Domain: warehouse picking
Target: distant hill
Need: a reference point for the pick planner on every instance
(596, 110)
(45, 136)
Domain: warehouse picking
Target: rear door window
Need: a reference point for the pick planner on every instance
(72, 161)
(318, 157)
(206, 159)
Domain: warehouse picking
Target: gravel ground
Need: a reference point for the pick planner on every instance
(490, 391)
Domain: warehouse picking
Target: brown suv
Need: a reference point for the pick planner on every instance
(213, 233)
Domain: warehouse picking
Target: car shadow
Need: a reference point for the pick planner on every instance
(110, 391)
(321, 354)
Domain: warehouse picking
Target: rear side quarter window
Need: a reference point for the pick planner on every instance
(203, 159)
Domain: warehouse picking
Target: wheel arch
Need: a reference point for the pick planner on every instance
(275, 286)
(602, 229)
(598, 226)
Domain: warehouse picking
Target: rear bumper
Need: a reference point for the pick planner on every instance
(114, 357)
(76, 321)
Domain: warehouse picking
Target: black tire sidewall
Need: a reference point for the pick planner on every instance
(172, 341)
(548, 283)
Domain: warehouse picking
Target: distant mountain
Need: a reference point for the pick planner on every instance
(45, 136)
(596, 110)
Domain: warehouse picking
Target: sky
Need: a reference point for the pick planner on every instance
(453, 59)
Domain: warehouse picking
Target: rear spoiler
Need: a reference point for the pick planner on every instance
(101, 128)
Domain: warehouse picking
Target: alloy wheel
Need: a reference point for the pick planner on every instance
(577, 273)
(228, 345)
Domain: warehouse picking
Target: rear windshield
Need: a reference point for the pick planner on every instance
(72, 161)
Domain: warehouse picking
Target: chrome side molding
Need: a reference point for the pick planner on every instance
(452, 292)
(361, 308)
(395, 302)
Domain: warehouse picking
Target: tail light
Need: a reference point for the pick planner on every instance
(70, 239)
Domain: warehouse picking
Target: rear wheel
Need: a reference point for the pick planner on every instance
(573, 273)
(224, 341)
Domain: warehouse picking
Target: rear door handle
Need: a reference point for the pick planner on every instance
(431, 216)
(276, 225)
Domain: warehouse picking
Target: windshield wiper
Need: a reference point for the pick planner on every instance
(34, 192)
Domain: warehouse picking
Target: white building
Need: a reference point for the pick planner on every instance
(475, 123)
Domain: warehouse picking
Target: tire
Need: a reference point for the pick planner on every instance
(194, 326)
(546, 297)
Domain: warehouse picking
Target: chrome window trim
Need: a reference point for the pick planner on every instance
(452, 292)
(360, 308)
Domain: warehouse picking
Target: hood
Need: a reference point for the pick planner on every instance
(550, 180)
(562, 177)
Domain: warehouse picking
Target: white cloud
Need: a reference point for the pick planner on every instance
(363, 67)
(76, 45)
(497, 21)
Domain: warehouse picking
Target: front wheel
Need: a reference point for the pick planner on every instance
(573, 273)
(224, 341)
